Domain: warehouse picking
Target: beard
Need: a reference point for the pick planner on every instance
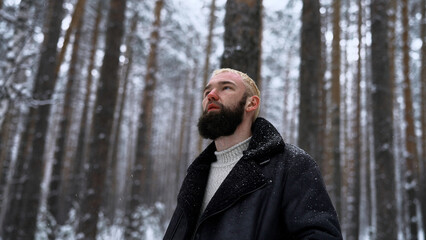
(212, 125)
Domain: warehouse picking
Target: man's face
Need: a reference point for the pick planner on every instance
(223, 105)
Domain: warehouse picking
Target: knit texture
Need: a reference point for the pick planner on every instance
(226, 160)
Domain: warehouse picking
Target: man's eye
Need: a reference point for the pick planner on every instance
(226, 87)
(206, 93)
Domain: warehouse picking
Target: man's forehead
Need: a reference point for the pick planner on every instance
(226, 76)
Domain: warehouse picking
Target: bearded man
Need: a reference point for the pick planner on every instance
(248, 183)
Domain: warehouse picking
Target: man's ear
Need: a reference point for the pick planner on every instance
(252, 103)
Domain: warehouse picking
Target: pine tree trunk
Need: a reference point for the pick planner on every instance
(325, 153)
(102, 122)
(206, 70)
(12, 75)
(56, 183)
(355, 210)
(76, 16)
(423, 114)
(243, 37)
(411, 158)
(383, 123)
(9, 129)
(310, 75)
(21, 214)
(335, 106)
(141, 194)
(82, 144)
(112, 189)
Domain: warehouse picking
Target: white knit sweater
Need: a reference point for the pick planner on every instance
(226, 160)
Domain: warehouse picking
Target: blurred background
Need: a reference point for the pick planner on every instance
(99, 102)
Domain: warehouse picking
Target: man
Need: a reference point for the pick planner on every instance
(249, 184)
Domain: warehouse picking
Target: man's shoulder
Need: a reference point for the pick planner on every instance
(294, 150)
(294, 156)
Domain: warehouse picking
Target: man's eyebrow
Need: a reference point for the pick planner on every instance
(220, 83)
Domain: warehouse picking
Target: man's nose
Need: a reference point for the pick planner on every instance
(212, 96)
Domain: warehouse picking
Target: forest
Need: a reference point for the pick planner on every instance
(99, 103)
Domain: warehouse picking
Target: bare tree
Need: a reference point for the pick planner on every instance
(423, 113)
(112, 183)
(243, 37)
(81, 151)
(55, 198)
(310, 75)
(22, 210)
(382, 123)
(354, 205)
(206, 70)
(335, 106)
(100, 136)
(411, 158)
(142, 168)
(75, 20)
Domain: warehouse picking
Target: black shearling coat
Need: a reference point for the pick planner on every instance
(275, 191)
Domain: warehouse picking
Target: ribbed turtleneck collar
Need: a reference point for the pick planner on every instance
(231, 154)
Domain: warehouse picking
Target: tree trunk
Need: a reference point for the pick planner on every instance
(102, 122)
(9, 129)
(142, 168)
(335, 106)
(382, 123)
(411, 156)
(82, 145)
(112, 189)
(423, 114)
(354, 208)
(76, 16)
(56, 183)
(22, 211)
(206, 70)
(243, 37)
(12, 75)
(310, 75)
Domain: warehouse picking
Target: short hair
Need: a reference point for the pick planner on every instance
(250, 84)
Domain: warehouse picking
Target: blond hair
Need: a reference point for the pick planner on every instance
(251, 87)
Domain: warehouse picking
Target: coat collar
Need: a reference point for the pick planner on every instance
(244, 178)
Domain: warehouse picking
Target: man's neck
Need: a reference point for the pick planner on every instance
(242, 132)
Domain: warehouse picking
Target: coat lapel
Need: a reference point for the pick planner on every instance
(192, 192)
(244, 178)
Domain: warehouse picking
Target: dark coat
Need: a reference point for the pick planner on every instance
(274, 192)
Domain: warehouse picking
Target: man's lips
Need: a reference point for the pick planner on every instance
(212, 106)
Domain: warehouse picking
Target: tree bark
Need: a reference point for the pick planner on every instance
(310, 75)
(76, 16)
(22, 211)
(141, 194)
(423, 114)
(335, 106)
(82, 144)
(102, 122)
(58, 212)
(382, 123)
(355, 210)
(206, 70)
(243, 37)
(112, 189)
(411, 156)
